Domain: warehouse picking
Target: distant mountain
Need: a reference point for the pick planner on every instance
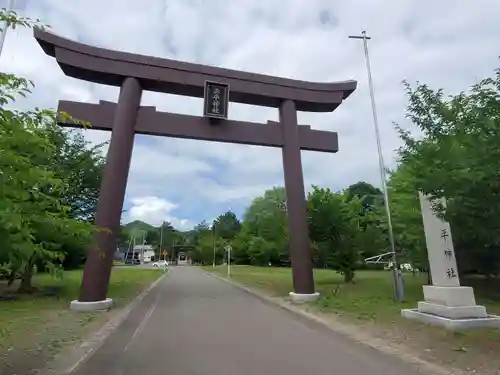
(136, 228)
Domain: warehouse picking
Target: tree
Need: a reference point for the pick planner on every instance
(457, 159)
(240, 244)
(33, 221)
(259, 251)
(337, 226)
(75, 159)
(49, 181)
(163, 233)
(204, 247)
(227, 225)
(324, 218)
(369, 194)
(198, 232)
(406, 217)
(124, 237)
(266, 218)
(81, 164)
(153, 237)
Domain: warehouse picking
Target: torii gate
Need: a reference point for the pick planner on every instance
(135, 73)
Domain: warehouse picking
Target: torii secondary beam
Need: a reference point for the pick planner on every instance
(151, 122)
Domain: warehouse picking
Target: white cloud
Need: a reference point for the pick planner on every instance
(155, 210)
(442, 43)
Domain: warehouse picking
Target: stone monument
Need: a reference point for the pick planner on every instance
(446, 302)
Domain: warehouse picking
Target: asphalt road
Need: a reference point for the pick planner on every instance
(194, 324)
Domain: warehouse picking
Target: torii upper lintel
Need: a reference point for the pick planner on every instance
(110, 67)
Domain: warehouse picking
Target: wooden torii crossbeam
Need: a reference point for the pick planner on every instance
(173, 125)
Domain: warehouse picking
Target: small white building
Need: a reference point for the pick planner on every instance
(145, 253)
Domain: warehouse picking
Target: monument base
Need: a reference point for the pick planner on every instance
(91, 306)
(452, 312)
(449, 295)
(297, 297)
(452, 307)
(490, 321)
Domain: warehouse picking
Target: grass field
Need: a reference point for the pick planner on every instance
(369, 297)
(33, 329)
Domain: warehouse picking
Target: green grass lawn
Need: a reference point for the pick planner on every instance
(37, 327)
(370, 297)
(124, 285)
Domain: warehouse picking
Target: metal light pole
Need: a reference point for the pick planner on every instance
(213, 243)
(5, 26)
(161, 241)
(173, 249)
(398, 279)
(228, 249)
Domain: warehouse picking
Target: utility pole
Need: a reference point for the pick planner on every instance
(161, 241)
(398, 278)
(173, 247)
(142, 247)
(5, 26)
(228, 248)
(133, 251)
(213, 243)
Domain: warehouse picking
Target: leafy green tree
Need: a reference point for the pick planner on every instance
(200, 230)
(457, 159)
(337, 226)
(80, 164)
(266, 217)
(240, 244)
(124, 237)
(227, 225)
(406, 218)
(325, 222)
(33, 221)
(203, 226)
(369, 194)
(75, 159)
(47, 188)
(163, 233)
(259, 251)
(204, 248)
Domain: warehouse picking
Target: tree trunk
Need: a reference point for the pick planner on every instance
(26, 280)
(429, 277)
(348, 276)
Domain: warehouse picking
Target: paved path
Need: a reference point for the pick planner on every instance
(195, 324)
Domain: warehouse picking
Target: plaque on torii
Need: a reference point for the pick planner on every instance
(216, 100)
(136, 73)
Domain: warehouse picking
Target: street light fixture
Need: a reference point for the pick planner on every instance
(398, 279)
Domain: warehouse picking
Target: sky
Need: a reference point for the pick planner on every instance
(448, 44)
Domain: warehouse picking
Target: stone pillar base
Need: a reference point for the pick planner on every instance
(299, 298)
(91, 306)
(451, 307)
(453, 296)
(490, 321)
